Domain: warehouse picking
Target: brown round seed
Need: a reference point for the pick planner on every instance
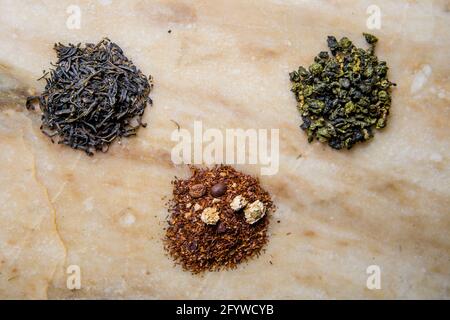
(218, 189)
(221, 228)
(197, 190)
(193, 246)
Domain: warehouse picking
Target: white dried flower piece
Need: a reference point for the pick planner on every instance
(254, 211)
(238, 203)
(197, 207)
(216, 200)
(210, 216)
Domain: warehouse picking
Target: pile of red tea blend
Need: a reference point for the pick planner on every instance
(218, 218)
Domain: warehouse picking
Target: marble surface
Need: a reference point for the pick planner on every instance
(226, 62)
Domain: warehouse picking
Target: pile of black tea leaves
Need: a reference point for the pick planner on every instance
(93, 96)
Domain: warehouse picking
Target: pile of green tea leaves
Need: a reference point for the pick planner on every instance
(343, 96)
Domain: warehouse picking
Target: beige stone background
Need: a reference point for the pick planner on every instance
(226, 63)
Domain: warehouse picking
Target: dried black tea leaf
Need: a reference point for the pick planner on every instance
(93, 96)
(343, 96)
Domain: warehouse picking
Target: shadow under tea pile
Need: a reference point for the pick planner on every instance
(218, 218)
(93, 96)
